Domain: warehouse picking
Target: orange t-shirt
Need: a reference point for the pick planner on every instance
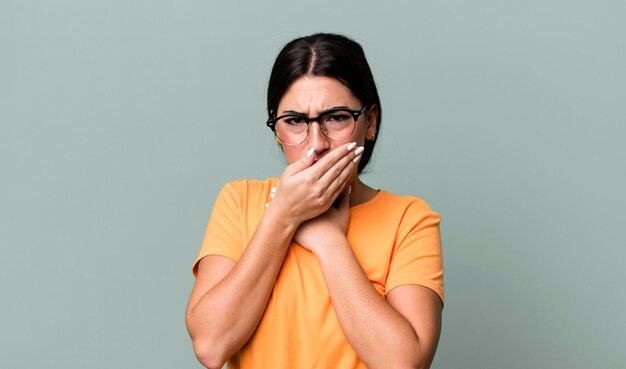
(395, 239)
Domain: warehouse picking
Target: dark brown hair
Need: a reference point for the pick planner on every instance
(328, 55)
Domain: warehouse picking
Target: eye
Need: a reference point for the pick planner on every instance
(338, 117)
(293, 119)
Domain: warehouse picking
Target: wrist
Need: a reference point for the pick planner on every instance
(334, 243)
(278, 218)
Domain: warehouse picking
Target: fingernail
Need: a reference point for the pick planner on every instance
(310, 152)
(272, 194)
(273, 189)
(358, 157)
(349, 189)
(359, 150)
(351, 146)
(267, 204)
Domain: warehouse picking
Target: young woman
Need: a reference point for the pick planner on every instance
(317, 269)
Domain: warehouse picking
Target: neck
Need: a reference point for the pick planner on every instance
(361, 192)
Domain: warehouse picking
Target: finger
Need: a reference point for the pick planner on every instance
(344, 167)
(320, 168)
(341, 183)
(339, 187)
(301, 164)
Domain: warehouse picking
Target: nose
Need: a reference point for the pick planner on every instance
(317, 139)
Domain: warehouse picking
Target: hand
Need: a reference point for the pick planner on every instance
(308, 188)
(324, 229)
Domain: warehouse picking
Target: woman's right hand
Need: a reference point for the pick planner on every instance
(308, 188)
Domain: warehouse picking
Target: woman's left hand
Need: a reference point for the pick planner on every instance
(323, 230)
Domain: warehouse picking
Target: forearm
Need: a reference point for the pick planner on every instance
(225, 317)
(379, 334)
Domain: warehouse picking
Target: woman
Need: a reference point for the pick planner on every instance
(317, 269)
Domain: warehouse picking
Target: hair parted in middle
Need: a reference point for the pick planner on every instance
(326, 55)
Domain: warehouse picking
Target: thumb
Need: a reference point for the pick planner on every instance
(301, 164)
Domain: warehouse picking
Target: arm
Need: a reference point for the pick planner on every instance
(400, 332)
(229, 298)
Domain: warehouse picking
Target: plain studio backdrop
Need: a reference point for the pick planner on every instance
(121, 120)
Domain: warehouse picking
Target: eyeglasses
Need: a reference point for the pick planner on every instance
(335, 123)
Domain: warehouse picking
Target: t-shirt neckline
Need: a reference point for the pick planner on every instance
(379, 194)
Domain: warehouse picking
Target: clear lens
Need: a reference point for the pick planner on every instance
(292, 130)
(336, 125)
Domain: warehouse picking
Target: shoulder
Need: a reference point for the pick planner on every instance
(403, 203)
(246, 190)
(410, 212)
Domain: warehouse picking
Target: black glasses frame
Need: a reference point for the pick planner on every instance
(271, 122)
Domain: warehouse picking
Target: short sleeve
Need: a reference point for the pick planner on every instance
(223, 234)
(417, 257)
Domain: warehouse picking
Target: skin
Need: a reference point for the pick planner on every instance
(399, 331)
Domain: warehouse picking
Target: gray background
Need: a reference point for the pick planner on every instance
(120, 121)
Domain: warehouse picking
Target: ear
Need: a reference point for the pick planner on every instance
(371, 126)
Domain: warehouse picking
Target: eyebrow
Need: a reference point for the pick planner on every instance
(323, 111)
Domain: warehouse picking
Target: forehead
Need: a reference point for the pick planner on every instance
(316, 93)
